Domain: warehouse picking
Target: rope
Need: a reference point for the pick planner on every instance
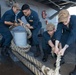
(34, 65)
(42, 68)
(58, 62)
(29, 34)
(29, 58)
(48, 71)
(57, 65)
(26, 49)
(28, 31)
(26, 28)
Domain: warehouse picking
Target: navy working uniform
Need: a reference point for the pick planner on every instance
(46, 38)
(8, 16)
(45, 46)
(67, 35)
(34, 21)
(4, 29)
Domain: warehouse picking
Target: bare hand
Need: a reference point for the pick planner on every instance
(53, 49)
(15, 24)
(21, 23)
(61, 52)
(28, 25)
(56, 50)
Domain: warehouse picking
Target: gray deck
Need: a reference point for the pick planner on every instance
(65, 69)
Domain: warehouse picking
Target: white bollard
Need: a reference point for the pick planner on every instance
(20, 38)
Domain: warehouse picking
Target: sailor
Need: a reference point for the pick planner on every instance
(34, 25)
(48, 41)
(7, 20)
(66, 34)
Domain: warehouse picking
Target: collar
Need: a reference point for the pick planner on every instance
(12, 12)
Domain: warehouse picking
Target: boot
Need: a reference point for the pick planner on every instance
(37, 52)
(4, 51)
(45, 57)
(73, 72)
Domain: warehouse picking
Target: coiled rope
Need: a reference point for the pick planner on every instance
(29, 34)
(33, 64)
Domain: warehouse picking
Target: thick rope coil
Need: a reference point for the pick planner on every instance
(29, 65)
(58, 64)
(33, 64)
(28, 31)
(24, 49)
(29, 34)
(31, 59)
(39, 65)
(47, 71)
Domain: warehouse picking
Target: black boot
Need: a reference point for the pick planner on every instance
(4, 51)
(73, 72)
(45, 56)
(37, 52)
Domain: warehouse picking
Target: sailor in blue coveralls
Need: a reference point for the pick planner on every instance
(6, 21)
(48, 41)
(66, 33)
(34, 25)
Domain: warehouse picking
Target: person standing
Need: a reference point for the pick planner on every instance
(34, 25)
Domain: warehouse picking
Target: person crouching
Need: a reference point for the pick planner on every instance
(48, 41)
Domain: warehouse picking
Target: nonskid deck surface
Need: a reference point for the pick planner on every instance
(8, 67)
(65, 68)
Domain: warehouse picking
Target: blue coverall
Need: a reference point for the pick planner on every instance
(34, 21)
(45, 45)
(4, 29)
(67, 35)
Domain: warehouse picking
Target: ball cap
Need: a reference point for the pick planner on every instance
(50, 27)
(16, 5)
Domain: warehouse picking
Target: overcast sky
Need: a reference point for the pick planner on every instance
(72, 10)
